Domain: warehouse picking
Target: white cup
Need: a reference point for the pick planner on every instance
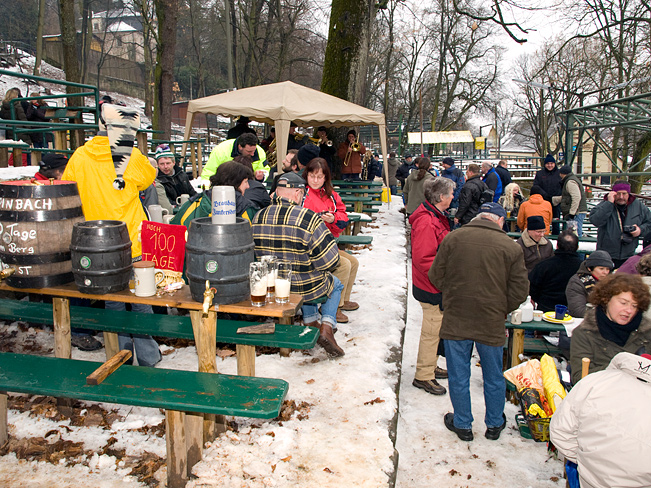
(180, 200)
(537, 315)
(223, 205)
(167, 218)
(145, 278)
(156, 213)
(516, 317)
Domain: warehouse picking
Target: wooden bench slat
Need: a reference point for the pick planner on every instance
(357, 240)
(180, 327)
(186, 391)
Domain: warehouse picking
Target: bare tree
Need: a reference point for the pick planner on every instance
(167, 15)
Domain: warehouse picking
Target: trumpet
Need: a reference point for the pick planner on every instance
(354, 147)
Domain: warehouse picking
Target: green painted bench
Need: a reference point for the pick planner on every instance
(175, 391)
(358, 240)
(179, 327)
(355, 183)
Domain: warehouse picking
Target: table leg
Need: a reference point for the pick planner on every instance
(284, 351)
(111, 345)
(517, 347)
(205, 339)
(3, 418)
(177, 455)
(61, 312)
(245, 359)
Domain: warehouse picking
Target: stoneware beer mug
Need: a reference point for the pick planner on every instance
(167, 218)
(146, 278)
(180, 200)
(271, 262)
(283, 280)
(258, 283)
(156, 213)
(516, 317)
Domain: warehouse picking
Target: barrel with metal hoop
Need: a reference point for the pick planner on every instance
(101, 256)
(36, 222)
(221, 254)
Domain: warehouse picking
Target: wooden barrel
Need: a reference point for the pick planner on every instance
(221, 254)
(36, 224)
(101, 256)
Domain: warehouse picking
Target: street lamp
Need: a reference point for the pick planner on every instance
(485, 144)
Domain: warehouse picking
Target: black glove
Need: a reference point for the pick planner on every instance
(571, 217)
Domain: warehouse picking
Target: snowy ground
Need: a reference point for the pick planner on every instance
(342, 433)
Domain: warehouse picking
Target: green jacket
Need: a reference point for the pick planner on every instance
(481, 273)
(587, 342)
(226, 151)
(570, 204)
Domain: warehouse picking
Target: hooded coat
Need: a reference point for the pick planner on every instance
(606, 218)
(549, 182)
(534, 252)
(470, 199)
(535, 205)
(603, 425)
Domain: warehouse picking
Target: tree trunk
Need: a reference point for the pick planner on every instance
(70, 59)
(39, 37)
(86, 38)
(642, 150)
(167, 12)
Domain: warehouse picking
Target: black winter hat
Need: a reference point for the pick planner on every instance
(307, 153)
(53, 160)
(535, 222)
(565, 170)
(550, 159)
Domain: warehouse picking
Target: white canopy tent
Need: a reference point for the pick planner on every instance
(282, 103)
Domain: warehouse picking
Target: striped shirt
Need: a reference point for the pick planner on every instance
(300, 236)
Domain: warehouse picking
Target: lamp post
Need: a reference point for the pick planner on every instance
(485, 144)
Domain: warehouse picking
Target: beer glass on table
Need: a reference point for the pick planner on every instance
(272, 270)
(283, 280)
(258, 283)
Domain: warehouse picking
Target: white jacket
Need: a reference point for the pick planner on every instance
(604, 425)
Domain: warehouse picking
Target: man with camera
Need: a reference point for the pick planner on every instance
(620, 219)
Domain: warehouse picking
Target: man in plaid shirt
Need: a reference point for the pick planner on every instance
(299, 235)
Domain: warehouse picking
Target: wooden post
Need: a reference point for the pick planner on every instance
(205, 339)
(18, 156)
(518, 346)
(245, 360)
(3, 419)
(36, 157)
(194, 434)
(111, 345)
(4, 157)
(177, 462)
(585, 367)
(193, 160)
(286, 320)
(142, 142)
(199, 159)
(61, 312)
(60, 138)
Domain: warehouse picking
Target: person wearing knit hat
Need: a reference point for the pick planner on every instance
(52, 166)
(572, 201)
(533, 242)
(548, 179)
(306, 154)
(593, 269)
(620, 220)
(351, 152)
(171, 176)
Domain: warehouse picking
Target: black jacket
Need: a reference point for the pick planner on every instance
(257, 194)
(549, 279)
(504, 175)
(403, 171)
(549, 182)
(469, 199)
(176, 184)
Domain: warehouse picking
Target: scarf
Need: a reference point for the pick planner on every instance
(612, 331)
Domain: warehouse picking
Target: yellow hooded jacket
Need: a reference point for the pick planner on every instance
(91, 166)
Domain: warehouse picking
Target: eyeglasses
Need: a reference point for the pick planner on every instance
(315, 176)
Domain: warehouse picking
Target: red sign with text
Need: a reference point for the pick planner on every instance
(164, 244)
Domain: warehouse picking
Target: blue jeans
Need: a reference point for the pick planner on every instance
(580, 217)
(328, 309)
(457, 356)
(146, 348)
(393, 189)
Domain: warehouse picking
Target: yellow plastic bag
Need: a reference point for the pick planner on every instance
(554, 391)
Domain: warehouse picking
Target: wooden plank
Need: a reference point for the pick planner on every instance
(267, 328)
(517, 346)
(245, 360)
(111, 344)
(101, 373)
(3, 419)
(177, 462)
(61, 315)
(193, 439)
(186, 391)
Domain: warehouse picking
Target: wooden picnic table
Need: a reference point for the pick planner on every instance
(353, 183)
(357, 201)
(516, 338)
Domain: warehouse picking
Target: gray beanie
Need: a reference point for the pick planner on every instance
(599, 258)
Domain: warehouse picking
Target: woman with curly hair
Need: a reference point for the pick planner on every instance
(510, 201)
(616, 324)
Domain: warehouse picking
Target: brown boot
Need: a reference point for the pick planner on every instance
(327, 341)
(314, 324)
(341, 317)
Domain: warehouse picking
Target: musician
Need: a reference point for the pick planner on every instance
(267, 142)
(295, 141)
(326, 148)
(351, 159)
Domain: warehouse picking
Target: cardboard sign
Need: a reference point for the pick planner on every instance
(164, 244)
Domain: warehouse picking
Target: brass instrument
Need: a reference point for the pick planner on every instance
(299, 137)
(365, 164)
(355, 147)
(271, 154)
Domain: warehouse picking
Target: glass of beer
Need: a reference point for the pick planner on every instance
(258, 282)
(272, 270)
(283, 280)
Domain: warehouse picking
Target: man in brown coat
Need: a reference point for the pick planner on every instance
(481, 273)
(533, 242)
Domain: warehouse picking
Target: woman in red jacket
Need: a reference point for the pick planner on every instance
(429, 225)
(321, 197)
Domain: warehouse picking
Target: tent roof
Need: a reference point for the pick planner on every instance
(287, 101)
(441, 137)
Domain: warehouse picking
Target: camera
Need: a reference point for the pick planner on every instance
(629, 229)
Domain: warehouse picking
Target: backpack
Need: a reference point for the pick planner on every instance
(486, 196)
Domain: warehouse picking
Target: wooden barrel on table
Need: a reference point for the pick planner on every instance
(221, 254)
(101, 256)
(36, 224)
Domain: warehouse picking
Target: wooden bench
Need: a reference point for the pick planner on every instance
(358, 240)
(518, 344)
(175, 391)
(355, 183)
(180, 327)
(357, 220)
